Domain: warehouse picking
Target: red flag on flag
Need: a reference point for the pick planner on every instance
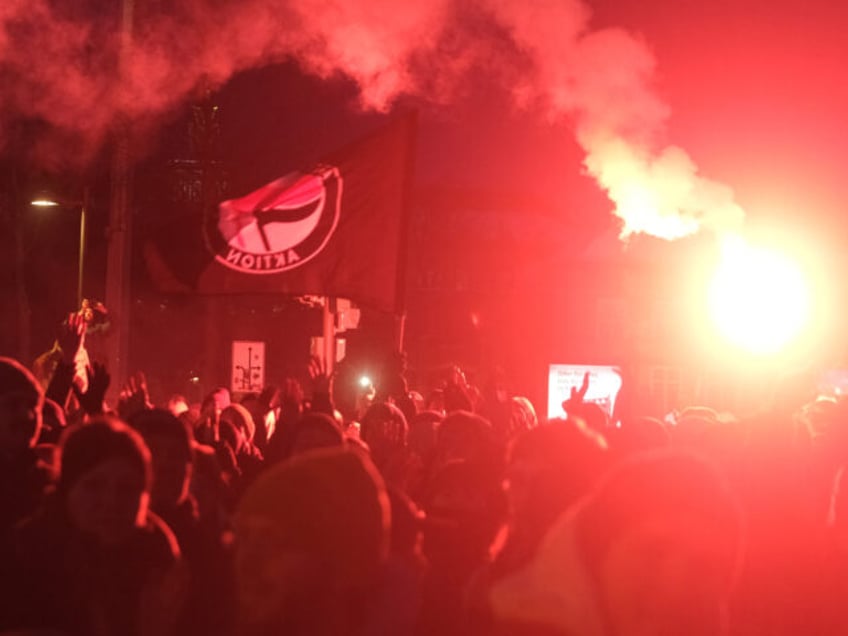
(337, 229)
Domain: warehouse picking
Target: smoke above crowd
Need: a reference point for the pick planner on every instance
(68, 69)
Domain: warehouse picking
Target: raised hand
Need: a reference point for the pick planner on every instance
(577, 395)
(98, 382)
(322, 382)
(71, 337)
(322, 387)
(134, 396)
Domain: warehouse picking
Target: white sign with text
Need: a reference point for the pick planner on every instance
(248, 368)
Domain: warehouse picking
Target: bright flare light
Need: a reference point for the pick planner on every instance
(758, 298)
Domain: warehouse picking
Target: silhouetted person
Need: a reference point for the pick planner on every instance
(465, 508)
(549, 469)
(311, 431)
(655, 550)
(638, 435)
(467, 437)
(23, 476)
(312, 538)
(96, 560)
(240, 437)
(385, 430)
(210, 605)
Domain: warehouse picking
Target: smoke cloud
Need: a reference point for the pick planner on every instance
(603, 81)
(64, 68)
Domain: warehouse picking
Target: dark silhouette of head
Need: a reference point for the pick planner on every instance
(548, 469)
(423, 433)
(385, 430)
(669, 520)
(311, 431)
(311, 533)
(638, 435)
(21, 404)
(654, 549)
(464, 436)
(465, 507)
(104, 479)
(314, 431)
(172, 454)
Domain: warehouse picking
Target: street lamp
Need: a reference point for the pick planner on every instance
(46, 201)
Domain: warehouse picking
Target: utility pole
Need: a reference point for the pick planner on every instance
(119, 232)
(14, 208)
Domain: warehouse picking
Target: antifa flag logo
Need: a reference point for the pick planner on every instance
(295, 231)
(282, 225)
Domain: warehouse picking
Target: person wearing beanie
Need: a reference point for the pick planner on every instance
(312, 535)
(311, 431)
(23, 478)
(96, 560)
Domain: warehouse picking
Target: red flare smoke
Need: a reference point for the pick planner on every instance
(65, 68)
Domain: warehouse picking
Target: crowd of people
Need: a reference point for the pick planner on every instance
(451, 512)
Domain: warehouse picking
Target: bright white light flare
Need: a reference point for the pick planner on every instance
(758, 298)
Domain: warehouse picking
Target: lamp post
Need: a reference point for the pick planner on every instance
(46, 201)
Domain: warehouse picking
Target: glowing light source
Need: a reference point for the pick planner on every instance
(758, 298)
(44, 200)
(364, 381)
(44, 203)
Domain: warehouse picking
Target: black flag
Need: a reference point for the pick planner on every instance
(336, 229)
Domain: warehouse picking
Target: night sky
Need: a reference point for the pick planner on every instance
(754, 89)
(755, 92)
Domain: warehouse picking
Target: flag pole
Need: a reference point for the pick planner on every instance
(403, 243)
(400, 330)
(329, 333)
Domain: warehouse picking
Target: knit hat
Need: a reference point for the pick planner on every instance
(84, 447)
(162, 423)
(330, 504)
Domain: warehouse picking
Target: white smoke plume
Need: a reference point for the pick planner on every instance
(603, 80)
(62, 67)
